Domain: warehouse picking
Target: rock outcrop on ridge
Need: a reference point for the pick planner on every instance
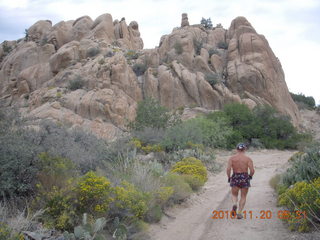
(92, 73)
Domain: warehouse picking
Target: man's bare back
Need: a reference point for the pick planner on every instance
(240, 163)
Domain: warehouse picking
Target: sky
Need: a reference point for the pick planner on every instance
(290, 26)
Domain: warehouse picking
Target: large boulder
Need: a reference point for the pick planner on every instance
(60, 34)
(253, 67)
(81, 27)
(102, 28)
(38, 31)
(65, 56)
(25, 55)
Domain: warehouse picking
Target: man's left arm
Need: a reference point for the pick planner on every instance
(229, 166)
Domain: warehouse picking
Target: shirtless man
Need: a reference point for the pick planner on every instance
(240, 179)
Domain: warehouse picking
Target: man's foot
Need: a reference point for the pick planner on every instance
(239, 216)
(234, 211)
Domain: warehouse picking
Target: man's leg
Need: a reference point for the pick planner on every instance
(244, 192)
(234, 193)
(234, 197)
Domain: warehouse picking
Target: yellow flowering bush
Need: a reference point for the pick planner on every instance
(163, 194)
(128, 198)
(303, 196)
(152, 148)
(4, 231)
(191, 166)
(59, 205)
(94, 194)
(137, 143)
(146, 148)
(6, 234)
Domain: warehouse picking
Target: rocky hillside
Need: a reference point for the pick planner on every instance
(92, 73)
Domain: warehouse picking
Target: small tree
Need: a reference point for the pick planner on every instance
(206, 23)
(26, 35)
(150, 114)
(139, 69)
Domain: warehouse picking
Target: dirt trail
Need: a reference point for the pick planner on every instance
(193, 219)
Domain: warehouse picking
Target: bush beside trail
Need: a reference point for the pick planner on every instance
(299, 190)
(114, 184)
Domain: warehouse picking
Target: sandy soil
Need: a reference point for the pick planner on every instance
(193, 218)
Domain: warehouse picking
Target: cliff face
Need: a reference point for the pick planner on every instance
(92, 73)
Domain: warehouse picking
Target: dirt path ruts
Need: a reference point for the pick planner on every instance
(193, 219)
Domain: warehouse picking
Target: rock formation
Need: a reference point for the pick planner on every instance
(92, 73)
(184, 20)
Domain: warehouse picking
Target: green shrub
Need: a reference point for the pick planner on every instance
(212, 78)
(194, 182)
(214, 133)
(132, 54)
(301, 98)
(197, 44)
(222, 45)
(195, 132)
(84, 149)
(191, 166)
(149, 135)
(54, 172)
(234, 138)
(219, 116)
(139, 68)
(213, 51)
(305, 197)
(7, 234)
(206, 23)
(275, 181)
(6, 48)
(154, 214)
(93, 51)
(87, 230)
(150, 114)
(179, 136)
(178, 48)
(4, 231)
(18, 156)
(305, 167)
(240, 116)
(162, 195)
(76, 83)
(101, 61)
(181, 189)
(264, 124)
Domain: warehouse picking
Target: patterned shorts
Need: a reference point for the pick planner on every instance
(240, 180)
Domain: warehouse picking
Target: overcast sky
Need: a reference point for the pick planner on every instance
(290, 26)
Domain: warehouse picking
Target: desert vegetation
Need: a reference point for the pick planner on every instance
(71, 181)
(303, 101)
(77, 184)
(299, 190)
